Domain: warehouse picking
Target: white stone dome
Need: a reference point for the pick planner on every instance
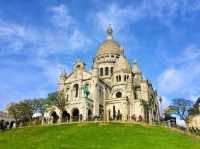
(122, 65)
(109, 46)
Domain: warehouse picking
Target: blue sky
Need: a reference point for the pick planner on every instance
(40, 38)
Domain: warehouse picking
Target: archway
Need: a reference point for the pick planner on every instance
(75, 114)
(65, 116)
(89, 115)
(55, 117)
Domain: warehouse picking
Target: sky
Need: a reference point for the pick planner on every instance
(41, 38)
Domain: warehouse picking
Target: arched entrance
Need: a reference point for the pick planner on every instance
(65, 116)
(55, 117)
(75, 114)
(89, 115)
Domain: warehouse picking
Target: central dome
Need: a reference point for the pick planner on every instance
(109, 46)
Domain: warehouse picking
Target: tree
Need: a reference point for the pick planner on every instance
(13, 111)
(180, 107)
(39, 105)
(22, 111)
(195, 108)
(51, 98)
(58, 99)
(26, 110)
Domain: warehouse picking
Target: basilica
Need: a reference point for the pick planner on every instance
(116, 90)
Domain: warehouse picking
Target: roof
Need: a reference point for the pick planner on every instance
(122, 65)
(109, 46)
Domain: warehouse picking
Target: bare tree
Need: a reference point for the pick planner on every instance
(58, 99)
(180, 107)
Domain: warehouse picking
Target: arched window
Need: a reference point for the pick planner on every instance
(124, 78)
(67, 97)
(119, 78)
(76, 90)
(101, 71)
(100, 91)
(111, 70)
(118, 94)
(127, 77)
(114, 113)
(106, 71)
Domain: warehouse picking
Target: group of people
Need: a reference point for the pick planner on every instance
(6, 125)
(134, 118)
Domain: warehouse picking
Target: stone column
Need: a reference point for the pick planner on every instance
(83, 110)
(60, 117)
(104, 105)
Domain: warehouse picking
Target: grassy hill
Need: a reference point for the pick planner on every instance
(97, 136)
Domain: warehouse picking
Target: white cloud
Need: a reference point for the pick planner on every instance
(117, 16)
(191, 53)
(39, 44)
(165, 11)
(15, 36)
(78, 40)
(8, 30)
(61, 16)
(51, 70)
(182, 79)
(171, 80)
(65, 35)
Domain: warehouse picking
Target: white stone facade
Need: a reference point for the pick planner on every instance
(117, 89)
(195, 120)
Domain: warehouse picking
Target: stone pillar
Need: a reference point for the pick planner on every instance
(96, 100)
(124, 109)
(43, 120)
(60, 117)
(150, 115)
(104, 106)
(83, 110)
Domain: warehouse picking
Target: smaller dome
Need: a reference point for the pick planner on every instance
(122, 65)
(136, 68)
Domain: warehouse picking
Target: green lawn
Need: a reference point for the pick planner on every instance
(97, 136)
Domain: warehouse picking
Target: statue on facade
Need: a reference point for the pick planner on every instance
(86, 91)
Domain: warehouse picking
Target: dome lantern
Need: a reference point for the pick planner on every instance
(109, 46)
(109, 32)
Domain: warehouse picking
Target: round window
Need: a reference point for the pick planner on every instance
(118, 94)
